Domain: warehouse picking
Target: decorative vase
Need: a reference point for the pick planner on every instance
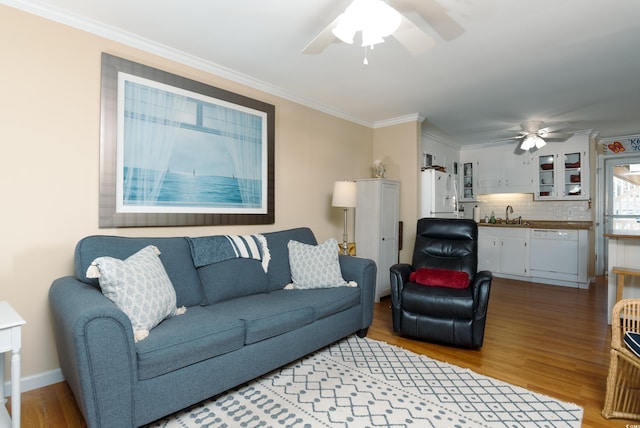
(378, 169)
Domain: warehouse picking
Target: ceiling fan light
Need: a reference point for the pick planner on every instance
(528, 143)
(370, 38)
(384, 18)
(531, 141)
(345, 30)
(374, 18)
(344, 35)
(539, 142)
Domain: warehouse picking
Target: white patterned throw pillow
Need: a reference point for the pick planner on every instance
(139, 286)
(315, 266)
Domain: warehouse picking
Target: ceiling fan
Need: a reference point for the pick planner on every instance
(535, 134)
(362, 15)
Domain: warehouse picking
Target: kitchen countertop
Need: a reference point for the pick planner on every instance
(544, 224)
(622, 234)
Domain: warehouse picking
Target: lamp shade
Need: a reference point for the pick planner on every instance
(344, 194)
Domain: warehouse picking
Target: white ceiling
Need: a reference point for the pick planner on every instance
(561, 61)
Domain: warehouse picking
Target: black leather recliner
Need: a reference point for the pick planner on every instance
(440, 314)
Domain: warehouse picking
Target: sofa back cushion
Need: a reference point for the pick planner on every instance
(232, 278)
(279, 270)
(208, 284)
(175, 256)
(237, 277)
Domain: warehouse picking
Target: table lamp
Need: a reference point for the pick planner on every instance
(344, 196)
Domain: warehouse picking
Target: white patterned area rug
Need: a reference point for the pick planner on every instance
(365, 383)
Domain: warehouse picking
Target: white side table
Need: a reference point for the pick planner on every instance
(10, 340)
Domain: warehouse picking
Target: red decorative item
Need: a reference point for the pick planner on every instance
(546, 166)
(440, 278)
(616, 147)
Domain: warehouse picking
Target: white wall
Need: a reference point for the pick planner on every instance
(49, 167)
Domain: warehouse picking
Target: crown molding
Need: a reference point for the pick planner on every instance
(431, 136)
(607, 140)
(130, 39)
(415, 117)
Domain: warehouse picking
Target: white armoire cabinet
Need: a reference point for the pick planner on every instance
(377, 216)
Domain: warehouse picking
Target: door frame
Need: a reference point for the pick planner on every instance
(603, 173)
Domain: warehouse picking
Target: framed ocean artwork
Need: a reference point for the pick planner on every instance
(177, 152)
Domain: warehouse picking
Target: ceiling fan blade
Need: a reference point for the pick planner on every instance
(558, 135)
(506, 140)
(434, 14)
(413, 38)
(322, 40)
(556, 127)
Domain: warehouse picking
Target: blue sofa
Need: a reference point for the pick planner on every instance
(240, 323)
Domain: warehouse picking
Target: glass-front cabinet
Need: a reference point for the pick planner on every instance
(573, 175)
(468, 184)
(562, 176)
(546, 177)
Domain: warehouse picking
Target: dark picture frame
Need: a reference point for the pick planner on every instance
(178, 152)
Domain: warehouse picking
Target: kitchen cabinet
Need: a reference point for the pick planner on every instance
(517, 173)
(514, 252)
(558, 257)
(468, 183)
(376, 228)
(562, 175)
(499, 170)
(491, 173)
(488, 249)
(504, 250)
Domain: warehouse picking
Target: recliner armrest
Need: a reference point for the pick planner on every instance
(399, 276)
(481, 289)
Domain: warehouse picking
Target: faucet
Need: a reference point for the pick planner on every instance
(508, 210)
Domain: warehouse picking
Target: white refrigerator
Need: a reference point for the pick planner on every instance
(438, 194)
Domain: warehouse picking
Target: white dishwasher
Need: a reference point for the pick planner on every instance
(554, 254)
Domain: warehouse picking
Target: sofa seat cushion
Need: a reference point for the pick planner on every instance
(180, 341)
(324, 301)
(265, 315)
(438, 302)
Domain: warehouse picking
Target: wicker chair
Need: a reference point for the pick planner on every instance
(622, 400)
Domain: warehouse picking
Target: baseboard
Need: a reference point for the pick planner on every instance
(36, 381)
(539, 280)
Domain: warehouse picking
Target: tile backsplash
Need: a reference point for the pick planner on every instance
(524, 205)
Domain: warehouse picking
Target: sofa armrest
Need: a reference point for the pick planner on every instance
(96, 351)
(363, 272)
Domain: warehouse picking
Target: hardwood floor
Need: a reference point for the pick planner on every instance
(548, 339)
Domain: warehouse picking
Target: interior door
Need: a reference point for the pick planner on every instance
(622, 196)
(389, 239)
